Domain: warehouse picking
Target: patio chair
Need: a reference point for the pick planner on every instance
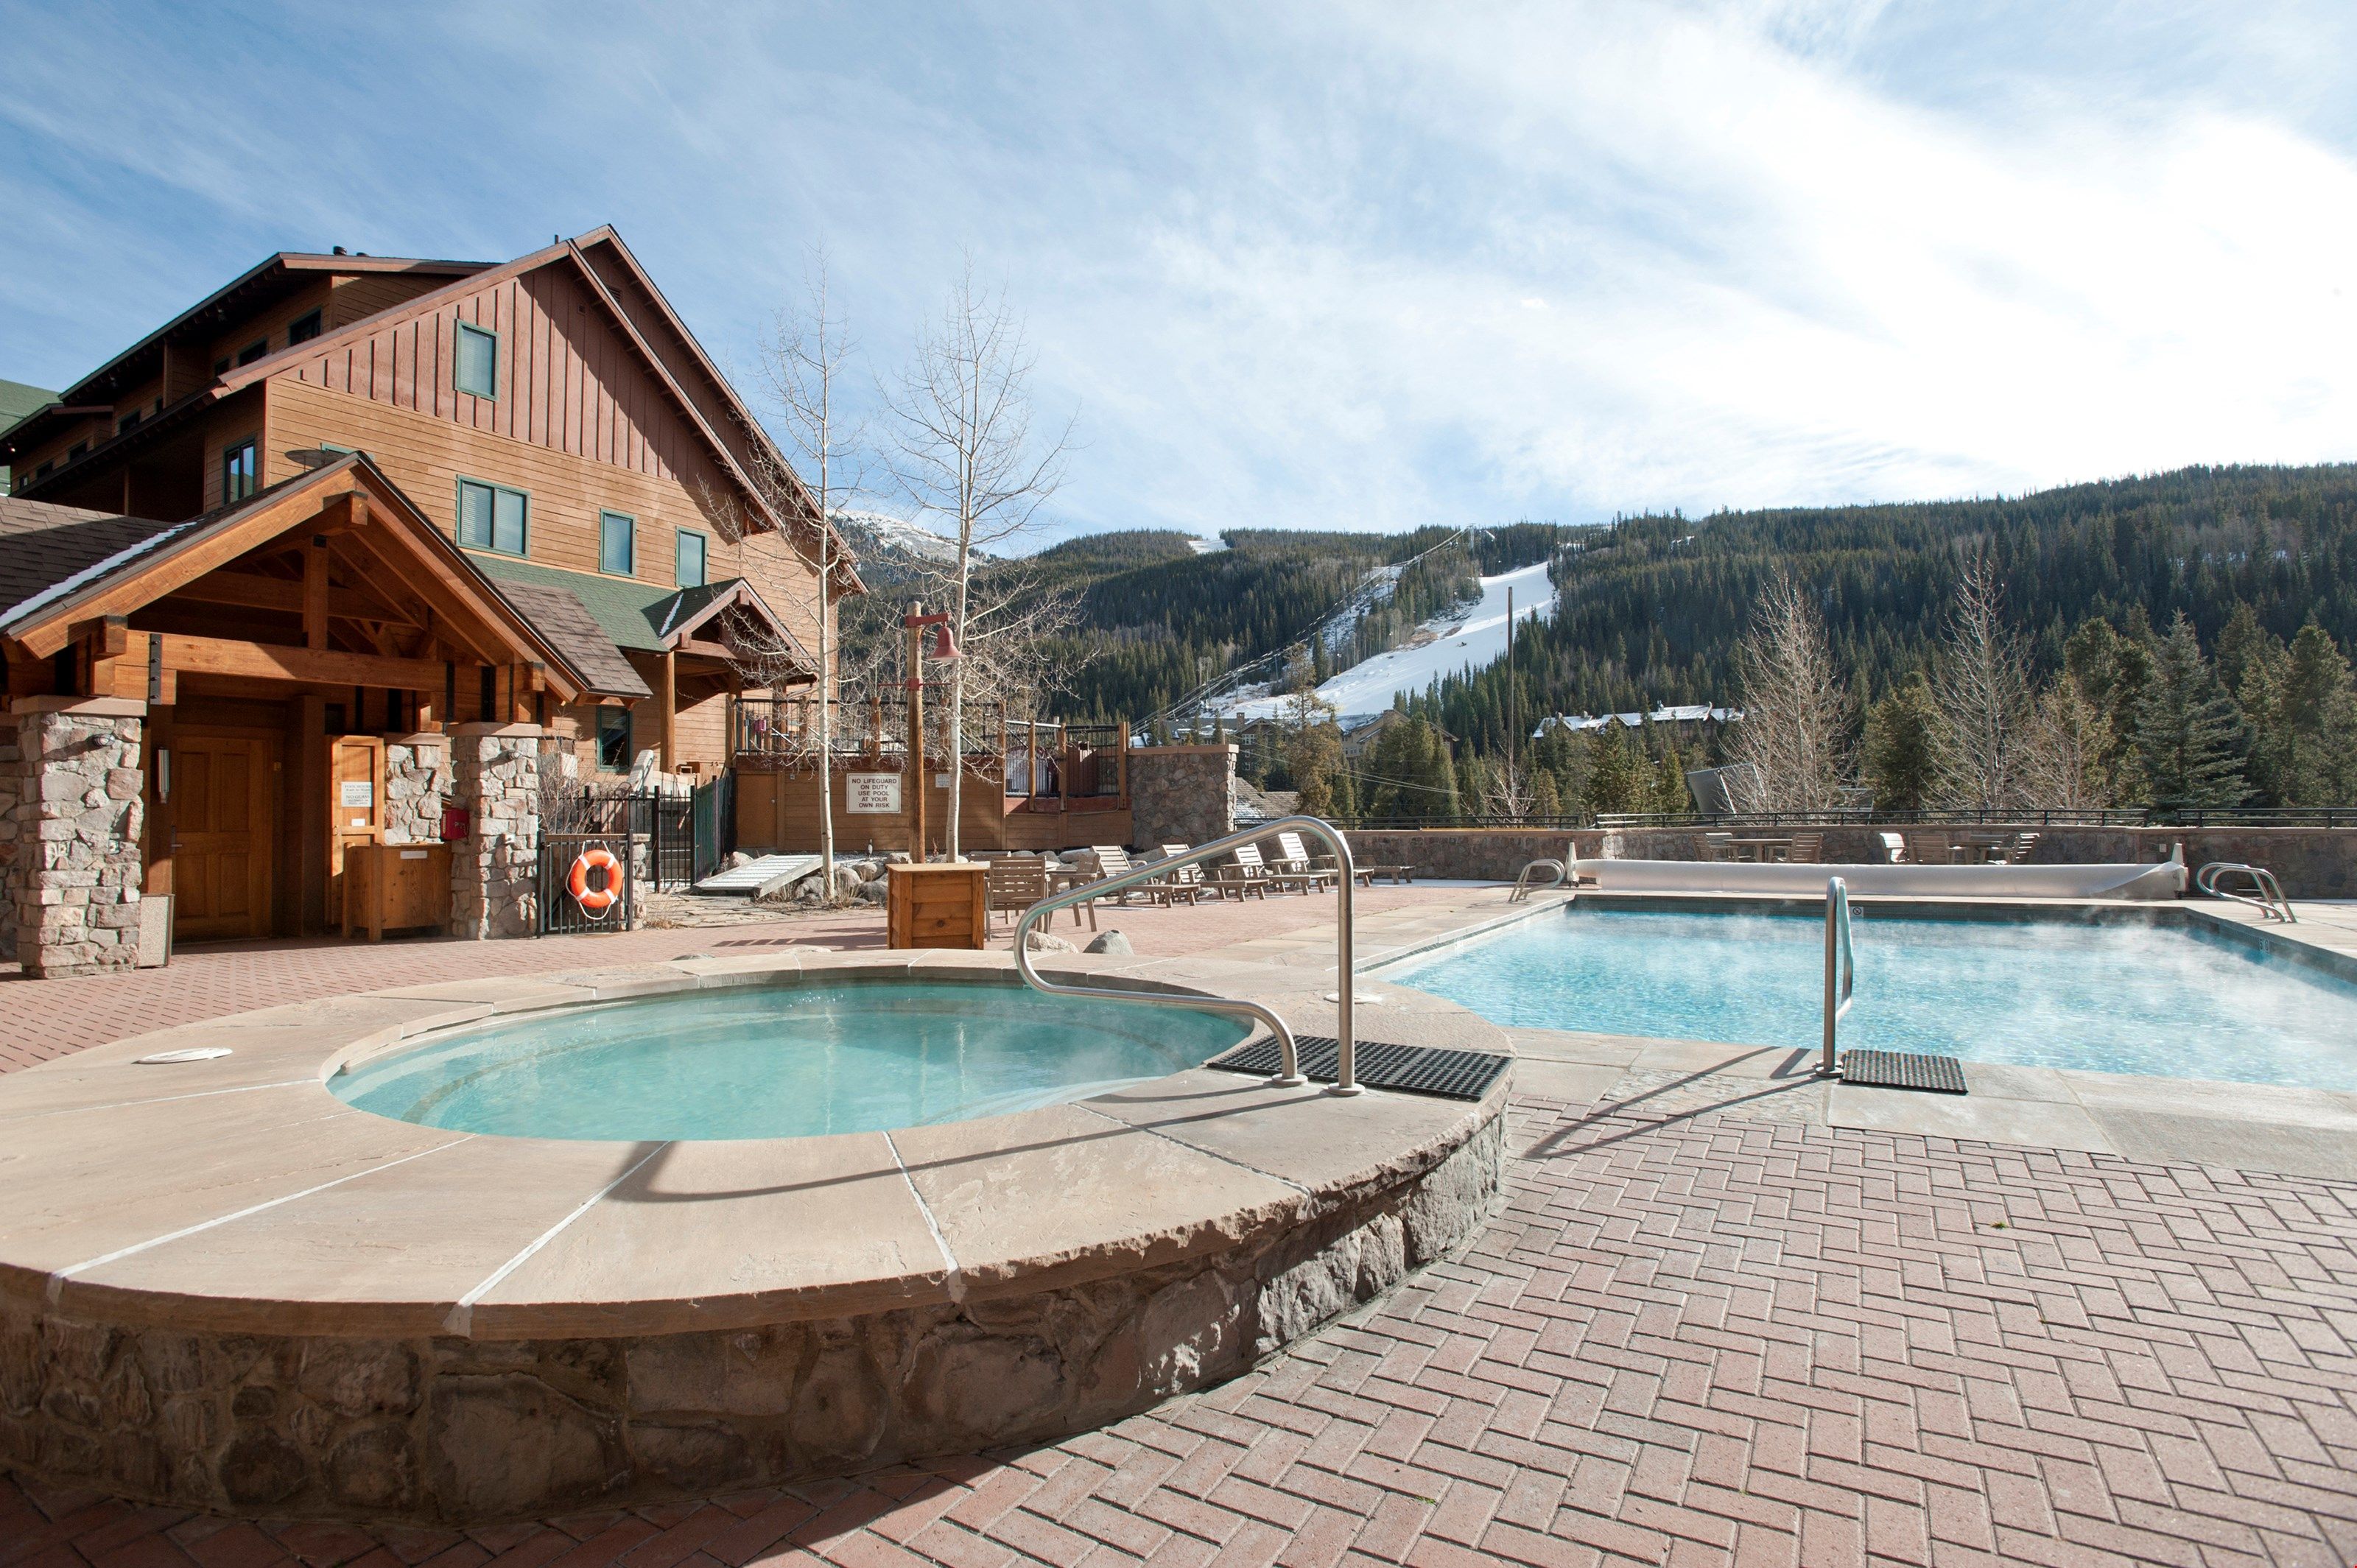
(1929, 849)
(2016, 850)
(1017, 882)
(1292, 860)
(1718, 847)
(1807, 849)
(1185, 881)
(1894, 848)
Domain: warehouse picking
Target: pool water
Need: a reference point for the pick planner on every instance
(2123, 998)
(783, 1063)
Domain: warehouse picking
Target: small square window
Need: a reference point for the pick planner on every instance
(129, 422)
(616, 543)
(221, 367)
(492, 517)
(477, 369)
(614, 739)
(253, 350)
(74, 451)
(237, 472)
(303, 329)
(691, 559)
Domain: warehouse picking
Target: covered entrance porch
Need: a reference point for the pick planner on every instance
(220, 711)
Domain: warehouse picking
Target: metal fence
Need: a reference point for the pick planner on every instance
(2114, 817)
(684, 838)
(561, 914)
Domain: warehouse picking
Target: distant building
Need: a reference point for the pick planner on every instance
(17, 402)
(1689, 715)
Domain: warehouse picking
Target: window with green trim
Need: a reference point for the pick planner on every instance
(614, 739)
(492, 517)
(478, 361)
(691, 560)
(616, 543)
(303, 329)
(237, 472)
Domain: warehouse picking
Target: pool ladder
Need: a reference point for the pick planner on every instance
(2267, 894)
(1841, 970)
(1346, 1073)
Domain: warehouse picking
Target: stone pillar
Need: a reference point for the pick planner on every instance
(416, 780)
(495, 777)
(79, 815)
(1182, 794)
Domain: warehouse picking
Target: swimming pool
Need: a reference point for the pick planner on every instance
(2105, 998)
(779, 1062)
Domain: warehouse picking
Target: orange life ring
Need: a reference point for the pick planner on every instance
(595, 902)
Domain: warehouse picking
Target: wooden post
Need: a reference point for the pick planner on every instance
(667, 707)
(920, 784)
(1121, 773)
(314, 593)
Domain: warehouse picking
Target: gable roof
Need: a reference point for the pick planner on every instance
(202, 543)
(272, 278)
(565, 621)
(644, 616)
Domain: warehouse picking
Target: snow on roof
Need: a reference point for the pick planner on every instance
(1686, 712)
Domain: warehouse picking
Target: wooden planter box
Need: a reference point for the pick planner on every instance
(937, 905)
(396, 884)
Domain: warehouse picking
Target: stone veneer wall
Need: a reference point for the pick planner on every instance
(416, 780)
(1469, 854)
(11, 843)
(460, 1432)
(78, 818)
(1182, 794)
(495, 775)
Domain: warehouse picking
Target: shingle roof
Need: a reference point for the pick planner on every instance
(559, 616)
(630, 613)
(44, 546)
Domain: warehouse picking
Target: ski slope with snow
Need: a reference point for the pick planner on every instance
(1468, 639)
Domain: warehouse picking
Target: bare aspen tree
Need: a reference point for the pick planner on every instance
(1795, 713)
(963, 450)
(2062, 756)
(1981, 683)
(799, 368)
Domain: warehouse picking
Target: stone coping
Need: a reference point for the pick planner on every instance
(237, 1195)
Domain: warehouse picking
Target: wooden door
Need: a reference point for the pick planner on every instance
(223, 821)
(355, 807)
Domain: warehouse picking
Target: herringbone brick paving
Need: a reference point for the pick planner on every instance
(1686, 1339)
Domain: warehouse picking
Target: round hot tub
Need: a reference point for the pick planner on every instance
(783, 1063)
(503, 1248)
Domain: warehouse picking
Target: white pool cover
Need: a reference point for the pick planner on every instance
(2162, 879)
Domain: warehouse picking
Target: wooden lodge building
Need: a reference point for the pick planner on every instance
(354, 549)
(329, 545)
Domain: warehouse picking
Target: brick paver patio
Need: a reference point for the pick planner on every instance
(1689, 1338)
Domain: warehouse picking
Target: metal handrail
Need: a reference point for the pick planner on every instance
(1346, 1067)
(1841, 967)
(1523, 889)
(2270, 900)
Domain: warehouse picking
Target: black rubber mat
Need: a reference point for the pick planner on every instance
(1413, 1069)
(1902, 1069)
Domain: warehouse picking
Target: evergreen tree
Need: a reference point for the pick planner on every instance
(1903, 736)
(2320, 710)
(1546, 795)
(2190, 739)
(1611, 776)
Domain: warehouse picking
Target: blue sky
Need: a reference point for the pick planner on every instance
(1317, 266)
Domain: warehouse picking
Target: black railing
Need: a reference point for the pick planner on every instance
(560, 913)
(2111, 817)
(787, 728)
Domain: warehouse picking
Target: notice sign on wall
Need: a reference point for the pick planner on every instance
(356, 792)
(872, 794)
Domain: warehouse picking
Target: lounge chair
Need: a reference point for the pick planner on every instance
(1894, 848)
(1292, 860)
(1185, 881)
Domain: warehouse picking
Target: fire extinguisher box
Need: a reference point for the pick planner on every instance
(457, 822)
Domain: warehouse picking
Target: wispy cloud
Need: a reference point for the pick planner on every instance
(1324, 265)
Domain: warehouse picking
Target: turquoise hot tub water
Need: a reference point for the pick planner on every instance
(2105, 998)
(782, 1063)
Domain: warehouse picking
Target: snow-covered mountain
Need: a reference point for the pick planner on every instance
(1469, 637)
(874, 533)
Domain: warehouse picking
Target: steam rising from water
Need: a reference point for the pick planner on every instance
(2102, 998)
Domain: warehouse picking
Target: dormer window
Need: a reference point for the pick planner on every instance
(303, 329)
(129, 423)
(476, 370)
